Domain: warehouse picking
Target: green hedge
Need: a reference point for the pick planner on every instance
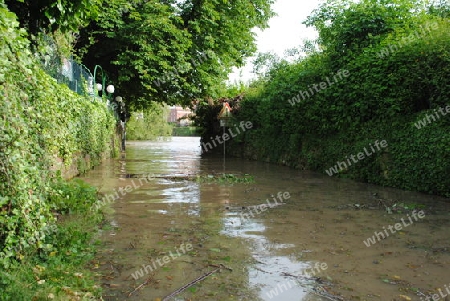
(40, 121)
(382, 98)
(415, 159)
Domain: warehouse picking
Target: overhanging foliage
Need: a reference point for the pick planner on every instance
(171, 51)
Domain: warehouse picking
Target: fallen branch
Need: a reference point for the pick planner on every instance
(146, 282)
(261, 270)
(320, 291)
(197, 280)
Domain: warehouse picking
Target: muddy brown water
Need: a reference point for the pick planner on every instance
(165, 229)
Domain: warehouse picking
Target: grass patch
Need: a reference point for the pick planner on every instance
(57, 266)
(226, 178)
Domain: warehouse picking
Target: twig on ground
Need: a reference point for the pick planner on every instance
(146, 282)
(184, 287)
(261, 270)
(320, 291)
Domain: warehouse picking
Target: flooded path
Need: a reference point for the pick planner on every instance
(289, 235)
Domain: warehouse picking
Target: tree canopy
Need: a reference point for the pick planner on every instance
(51, 15)
(171, 51)
(347, 27)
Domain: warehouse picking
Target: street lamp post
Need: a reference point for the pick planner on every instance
(116, 104)
(100, 87)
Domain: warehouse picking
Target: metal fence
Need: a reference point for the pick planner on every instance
(67, 71)
(80, 80)
(76, 76)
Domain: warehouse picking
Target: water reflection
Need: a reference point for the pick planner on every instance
(178, 157)
(275, 276)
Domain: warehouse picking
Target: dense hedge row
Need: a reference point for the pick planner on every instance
(306, 115)
(40, 121)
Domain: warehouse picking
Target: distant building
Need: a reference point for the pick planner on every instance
(179, 116)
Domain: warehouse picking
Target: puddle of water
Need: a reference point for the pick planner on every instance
(275, 254)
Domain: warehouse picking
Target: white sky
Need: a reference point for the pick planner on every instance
(285, 31)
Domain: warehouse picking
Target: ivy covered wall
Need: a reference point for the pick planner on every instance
(44, 127)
